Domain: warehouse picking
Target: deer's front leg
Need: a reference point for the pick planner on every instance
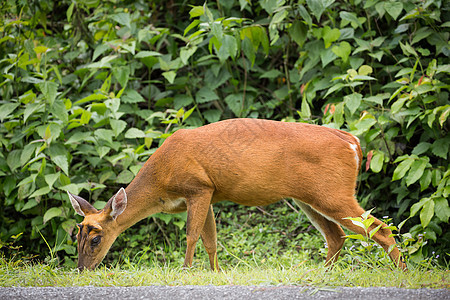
(209, 238)
(197, 212)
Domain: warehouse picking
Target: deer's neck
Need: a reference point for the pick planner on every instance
(141, 202)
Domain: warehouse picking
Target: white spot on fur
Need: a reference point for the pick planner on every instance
(174, 205)
(305, 208)
(354, 148)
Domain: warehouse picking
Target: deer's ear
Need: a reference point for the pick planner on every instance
(81, 206)
(117, 204)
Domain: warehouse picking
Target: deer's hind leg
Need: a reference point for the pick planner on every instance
(332, 232)
(338, 209)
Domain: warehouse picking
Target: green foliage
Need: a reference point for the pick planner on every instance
(89, 90)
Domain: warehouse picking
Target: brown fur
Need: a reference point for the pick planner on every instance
(250, 162)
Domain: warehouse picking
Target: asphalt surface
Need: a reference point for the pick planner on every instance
(220, 292)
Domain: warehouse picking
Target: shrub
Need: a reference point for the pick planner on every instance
(91, 89)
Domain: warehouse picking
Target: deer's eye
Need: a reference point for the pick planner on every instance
(96, 240)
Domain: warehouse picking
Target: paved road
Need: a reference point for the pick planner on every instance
(220, 292)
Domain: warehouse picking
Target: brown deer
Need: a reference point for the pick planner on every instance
(246, 161)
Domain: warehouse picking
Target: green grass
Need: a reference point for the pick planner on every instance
(17, 273)
(284, 250)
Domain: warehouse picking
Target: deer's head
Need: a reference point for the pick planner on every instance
(99, 228)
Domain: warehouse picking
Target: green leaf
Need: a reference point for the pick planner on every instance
(427, 213)
(13, 159)
(123, 19)
(170, 76)
(196, 11)
(435, 177)
(143, 54)
(135, 169)
(441, 209)
(376, 164)
(40, 192)
(351, 18)
(305, 112)
(305, 15)
(7, 109)
(421, 148)
(103, 63)
(62, 162)
(117, 126)
(212, 115)
(338, 115)
(205, 94)
(407, 49)
(85, 117)
(78, 136)
(334, 88)
(402, 168)
(393, 8)
(425, 180)
(31, 109)
(270, 6)
(298, 32)
(30, 204)
(271, 74)
(234, 102)
(229, 48)
(397, 105)
(102, 150)
(99, 204)
(444, 116)
(104, 134)
(122, 74)
(352, 102)
(416, 171)
(365, 70)
(279, 16)
(92, 97)
(318, 7)
(367, 222)
(186, 53)
(330, 35)
(99, 50)
(70, 11)
(378, 99)
(249, 50)
(420, 34)
(69, 225)
(125, 177)
(59, 110)
(132, 96)
(417, 206)
(9, 185)
(181, 100)
(52, 213)
(192, 25)
(355, 237)
(327, 56)
(51, 178)
(134, 133)
(343, 50)
(441, 147)
(375, 230)
(49, 90)
(27, 152)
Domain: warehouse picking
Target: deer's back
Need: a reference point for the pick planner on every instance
(260, 161)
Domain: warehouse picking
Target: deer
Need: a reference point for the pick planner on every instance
(252, 162)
